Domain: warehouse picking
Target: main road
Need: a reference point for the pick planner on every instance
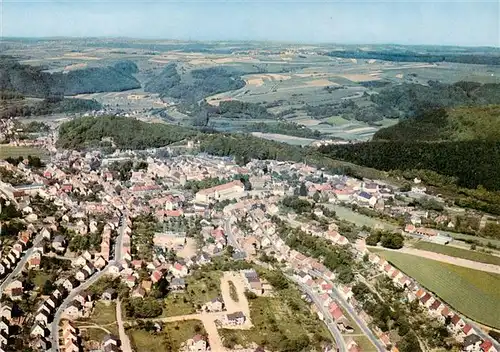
(328, 320)
(20, 265)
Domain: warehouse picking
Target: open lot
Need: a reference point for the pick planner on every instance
(170, 339)
(471, 292)
(101, 322)
(458, 252)
(201, 288)
(276, 324)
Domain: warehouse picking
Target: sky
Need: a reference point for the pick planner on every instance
(452, 22)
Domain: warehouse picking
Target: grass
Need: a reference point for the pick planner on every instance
(336, 121)
(103, 315)
(481, 240)
(171, 338)
(14, 152)
(40, 278)
(458, 252)
(201, 288)
(364, 342)
(276, 322)
(471, 292)
(232, 291)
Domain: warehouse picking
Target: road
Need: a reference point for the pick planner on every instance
(54, 329)
(361, 323)
(230, 237)
(20, 265)
(126, 347)
(328, 320)
(54, 336)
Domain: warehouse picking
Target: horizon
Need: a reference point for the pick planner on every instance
(448, 23)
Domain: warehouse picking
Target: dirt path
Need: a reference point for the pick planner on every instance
(451, 260)
(126, 347)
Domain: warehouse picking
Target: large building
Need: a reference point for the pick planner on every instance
(234, 189)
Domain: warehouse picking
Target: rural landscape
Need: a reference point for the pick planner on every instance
(195, 196)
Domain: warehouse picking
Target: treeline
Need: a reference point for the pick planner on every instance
(410, 99)
(465, 123)
(287, 128)
(473, 163)
(408, 56)
(236, 109)
(35, 82)
(196, 85)
(335, 258)
(50, 106)
(124, 132)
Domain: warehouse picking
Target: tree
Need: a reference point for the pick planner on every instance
(316, 197)
(303, 190)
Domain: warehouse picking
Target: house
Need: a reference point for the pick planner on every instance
(110, 340)
(487, 346)
(38, 330)
(70, 284)
(179, 270)
(237, 318)
(82, 275)
(197, 344)
(215, 305)
(472, 343)
(234, 189)
(74, 310)
(177, 284)
(130, 280)
(59, 243)
(99, 263)
(4, 325)
(139, 292)
(156, 276)
(42, 317)
(109, 294)
(71, 346)
(147, 285)
(457, 322)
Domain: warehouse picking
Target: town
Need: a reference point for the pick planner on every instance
(173, 249)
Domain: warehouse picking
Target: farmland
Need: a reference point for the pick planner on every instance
(471, 292)
(458, 252)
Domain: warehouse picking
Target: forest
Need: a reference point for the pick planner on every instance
(33, 81)
(48, 106)
(235, 109)
(288, 128)
(124, 132)
(193, 87)
(473, 163)
(408, 56)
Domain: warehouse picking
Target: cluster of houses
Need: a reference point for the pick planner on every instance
(456, 324)
(9, 261)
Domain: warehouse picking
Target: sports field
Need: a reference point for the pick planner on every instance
(471, 292)
(458, 252)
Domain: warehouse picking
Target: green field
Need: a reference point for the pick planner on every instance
(276, 325)
(458, 252)
(14, 152)
(170, 339)
(471, 292)
(202, 287)
(482, 240)
(103, 317)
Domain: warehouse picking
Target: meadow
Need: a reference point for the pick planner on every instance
(458, 252)
(471, 292)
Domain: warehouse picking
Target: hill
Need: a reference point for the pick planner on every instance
(456, 124)
(25, 107)
(125, 132)
(33, 81)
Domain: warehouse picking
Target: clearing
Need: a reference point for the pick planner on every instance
(458, 252)
(101, 322)
(170, 339)
(473, 293)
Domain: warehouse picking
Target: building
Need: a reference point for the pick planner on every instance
(234, 189)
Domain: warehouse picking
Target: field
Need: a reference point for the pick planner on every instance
(276, 325)
(201, 288)
(458, 252)
(14, 152)
(471, 292)
(101, 322)
(172, 336)
(40, 278)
